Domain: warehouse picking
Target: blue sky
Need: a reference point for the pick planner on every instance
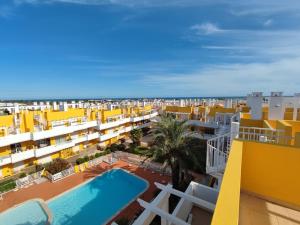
(149, 48)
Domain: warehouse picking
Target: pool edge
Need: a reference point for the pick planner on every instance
(42, 204)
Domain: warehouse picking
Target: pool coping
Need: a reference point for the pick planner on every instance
(125, 206)
(43, 206)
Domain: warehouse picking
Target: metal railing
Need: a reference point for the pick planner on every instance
(266, 135)
(217, 153)
(29, 179)
(60, 175)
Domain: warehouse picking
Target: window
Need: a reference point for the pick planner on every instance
(15, 148)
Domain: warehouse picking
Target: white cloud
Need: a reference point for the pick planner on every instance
(206, 28)
(232, 79)
(6, 11)
(268, 22)
(130, 3)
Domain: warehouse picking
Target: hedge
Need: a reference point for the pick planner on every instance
(7, 186)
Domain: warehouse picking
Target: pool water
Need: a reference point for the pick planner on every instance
(29, 213)
(97, 201)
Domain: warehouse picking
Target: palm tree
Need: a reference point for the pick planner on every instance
(171, 147)
(136, 135)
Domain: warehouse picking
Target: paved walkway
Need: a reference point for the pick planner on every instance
(48, 190)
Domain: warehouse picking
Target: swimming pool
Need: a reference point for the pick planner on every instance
(97, 201)
(92, 203)
(28, 213)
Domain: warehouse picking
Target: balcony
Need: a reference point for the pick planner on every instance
(145, 117)
(92, 136)
(103, 126)
(20, 156)
(85, 125)
(199, 123)
(108, 136)
(61, 130)
(53, 148)
(78, 140)
(4, 160)
(142, 125)
(125, 129)
(87, 137)
(14, 138)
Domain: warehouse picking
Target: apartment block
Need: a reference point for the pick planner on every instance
(39, 133)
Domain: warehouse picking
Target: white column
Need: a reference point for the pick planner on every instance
(296, 105)
(254, 101)
(234, 130)
(276, 107)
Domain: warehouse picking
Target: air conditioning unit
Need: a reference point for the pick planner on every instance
(263, 138)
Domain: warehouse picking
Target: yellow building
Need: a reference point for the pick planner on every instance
(39, 134)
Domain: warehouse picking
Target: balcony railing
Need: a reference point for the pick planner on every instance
(61, 130)
(14, 138)
(20, 156)
(53, 148)
(217, 153)
(4, 160)
(266, 135)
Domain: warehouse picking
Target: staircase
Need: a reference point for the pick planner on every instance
(217, 154)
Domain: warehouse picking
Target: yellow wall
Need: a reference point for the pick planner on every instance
(272, 171)
(184, 109)
(6, 120)
(110, 113)
(288, 115)
(5, 150)
(62, 115)
(266, 124)
(272, 123)
(287, 131)
(245, 109)
(146, 108)
(227, 208)
(297, 140)
(7, 170)
(246, 115)
(220, 109)
(251, 123)
(295, 126)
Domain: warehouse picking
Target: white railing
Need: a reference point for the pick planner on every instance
(217, 153)
(23, 155)
(14, 138)
(218, 148)
(4, 160)
(29, 179)
(60, 175)
(60, 130)
(266, 135)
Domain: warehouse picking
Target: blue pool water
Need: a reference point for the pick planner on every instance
(29, 213)
(97, 201)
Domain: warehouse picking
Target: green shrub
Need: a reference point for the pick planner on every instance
(39, 167)
(97, 155)
(136, 135)
(121, 147)
(22, 175)
(86, 158)
(57, 165)
(7, 186)
(114, 147)
(92, 157)
(79, 161)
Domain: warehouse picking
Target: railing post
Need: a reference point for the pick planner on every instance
(234, 130)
